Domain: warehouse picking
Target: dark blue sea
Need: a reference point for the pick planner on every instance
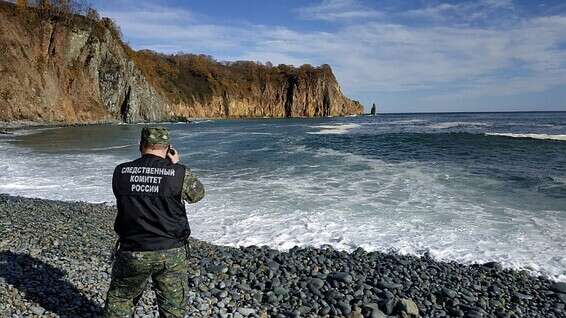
(470, 187)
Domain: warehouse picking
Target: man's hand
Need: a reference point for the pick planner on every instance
(174, 158)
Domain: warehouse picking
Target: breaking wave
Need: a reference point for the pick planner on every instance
(337, 129)
(531, 136)
(382, 183)
(446, 125)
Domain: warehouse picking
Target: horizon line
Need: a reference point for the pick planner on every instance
(470, 112)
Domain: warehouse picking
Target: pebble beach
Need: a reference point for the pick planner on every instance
(55, 261)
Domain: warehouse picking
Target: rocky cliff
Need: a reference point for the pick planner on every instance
(74, 70)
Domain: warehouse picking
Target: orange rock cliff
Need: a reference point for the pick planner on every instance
(73, 69)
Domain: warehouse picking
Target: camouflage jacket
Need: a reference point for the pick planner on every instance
(193, 190)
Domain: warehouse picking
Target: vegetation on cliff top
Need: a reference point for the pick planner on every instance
(73, 13)
(183, 75)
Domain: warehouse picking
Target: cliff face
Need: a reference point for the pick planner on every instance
(69, 71)
(77, 70)
(246, 89)
(297, 97)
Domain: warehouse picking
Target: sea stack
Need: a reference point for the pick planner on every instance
(373, 109)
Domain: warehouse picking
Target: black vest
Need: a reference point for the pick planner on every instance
(151, 212)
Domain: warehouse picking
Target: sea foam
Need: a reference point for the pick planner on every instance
(446, 125)
(337, 129)
(270, 183)
(531, 136)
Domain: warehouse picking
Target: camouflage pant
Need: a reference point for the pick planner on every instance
(130, 274)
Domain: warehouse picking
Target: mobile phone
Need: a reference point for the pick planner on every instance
(171, 151)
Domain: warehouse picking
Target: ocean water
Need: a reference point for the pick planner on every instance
(466, 187)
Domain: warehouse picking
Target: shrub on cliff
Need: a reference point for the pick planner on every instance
(184, 76)
(75, 13)
(113, 27)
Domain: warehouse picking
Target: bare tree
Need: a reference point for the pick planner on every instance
(62, 7)
(44, 5)
(113, 27)
(92, 15)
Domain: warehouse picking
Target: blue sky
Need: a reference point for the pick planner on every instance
(407, 56)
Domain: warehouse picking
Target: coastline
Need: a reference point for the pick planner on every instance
(56, 261)
(6, 127)
(9, 126)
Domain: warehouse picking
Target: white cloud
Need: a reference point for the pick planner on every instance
(464, 12)
(149, 13)
(333, 10)
(173, 29)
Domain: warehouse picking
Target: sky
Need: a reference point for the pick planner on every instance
(405, 56)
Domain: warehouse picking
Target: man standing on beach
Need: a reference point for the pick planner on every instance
(152, 227)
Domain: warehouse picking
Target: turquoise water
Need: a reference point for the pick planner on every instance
(465, 187)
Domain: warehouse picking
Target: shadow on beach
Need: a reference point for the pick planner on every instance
(45, 285)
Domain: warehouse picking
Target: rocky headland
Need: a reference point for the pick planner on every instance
(57, 66)
(55, 261)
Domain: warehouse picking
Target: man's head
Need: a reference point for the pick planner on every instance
(154, 140)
